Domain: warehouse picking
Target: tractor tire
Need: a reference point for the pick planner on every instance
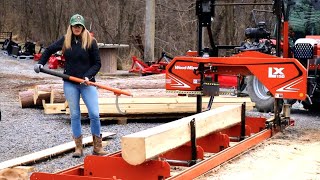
(311, 107)
(242, 86)
(259, 95)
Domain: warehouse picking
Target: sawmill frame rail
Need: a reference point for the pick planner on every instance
(249, 132)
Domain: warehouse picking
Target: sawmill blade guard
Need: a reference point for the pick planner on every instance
(285, 78)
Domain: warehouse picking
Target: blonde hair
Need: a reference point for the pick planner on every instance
(86, 39)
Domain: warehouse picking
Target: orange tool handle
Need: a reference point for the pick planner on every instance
(79, 80)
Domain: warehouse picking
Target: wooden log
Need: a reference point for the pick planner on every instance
(156, 81)
(39, 96)
(57, 96)
(43, 92)
(47, 87)
(13, 174)
(26, 98)
(27, 169)
(141, 84)
(145, 145)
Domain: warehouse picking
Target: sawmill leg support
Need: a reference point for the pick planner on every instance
(243, 121)
(193, 142)
(277, 118)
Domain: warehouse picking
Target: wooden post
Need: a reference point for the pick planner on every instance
(149, 31)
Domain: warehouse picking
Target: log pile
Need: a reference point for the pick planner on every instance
(26, 98)
(41, 93)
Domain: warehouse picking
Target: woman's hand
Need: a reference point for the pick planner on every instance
(37, 67)
(86, 81)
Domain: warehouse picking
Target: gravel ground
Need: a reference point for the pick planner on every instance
(23, 131)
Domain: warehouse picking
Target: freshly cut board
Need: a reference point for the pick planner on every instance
(46, 153)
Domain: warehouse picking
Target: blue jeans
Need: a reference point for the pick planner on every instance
(89, 95)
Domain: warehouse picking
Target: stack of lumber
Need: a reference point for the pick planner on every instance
(52, 99)
(160, 105)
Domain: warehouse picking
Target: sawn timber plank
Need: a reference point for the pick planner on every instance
(56, 108)
(171, 100)
(153, 108)
(161, 105)
(30, 158)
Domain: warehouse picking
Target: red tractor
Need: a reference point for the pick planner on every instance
(56, 60)
(150, 67)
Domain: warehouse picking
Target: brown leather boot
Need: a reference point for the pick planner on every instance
(97, 146)
(79, 148)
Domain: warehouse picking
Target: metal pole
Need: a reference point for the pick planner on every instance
(193, 142)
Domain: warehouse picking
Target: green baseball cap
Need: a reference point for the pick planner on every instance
(77, 19)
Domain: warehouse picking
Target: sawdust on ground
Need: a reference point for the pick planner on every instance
(293, 155)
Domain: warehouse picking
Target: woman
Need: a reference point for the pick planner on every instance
(82, 60)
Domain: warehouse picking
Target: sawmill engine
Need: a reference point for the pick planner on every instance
(306, 51)
(257, 39)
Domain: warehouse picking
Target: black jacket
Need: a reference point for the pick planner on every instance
(78, 62)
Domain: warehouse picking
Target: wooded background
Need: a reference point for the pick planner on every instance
(122, 21)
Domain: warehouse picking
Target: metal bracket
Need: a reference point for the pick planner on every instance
(117, 106)
(194, 153)
(193, 142)
(243, 122)
(210, 103)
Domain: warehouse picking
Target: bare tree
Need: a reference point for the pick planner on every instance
(122, 21)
